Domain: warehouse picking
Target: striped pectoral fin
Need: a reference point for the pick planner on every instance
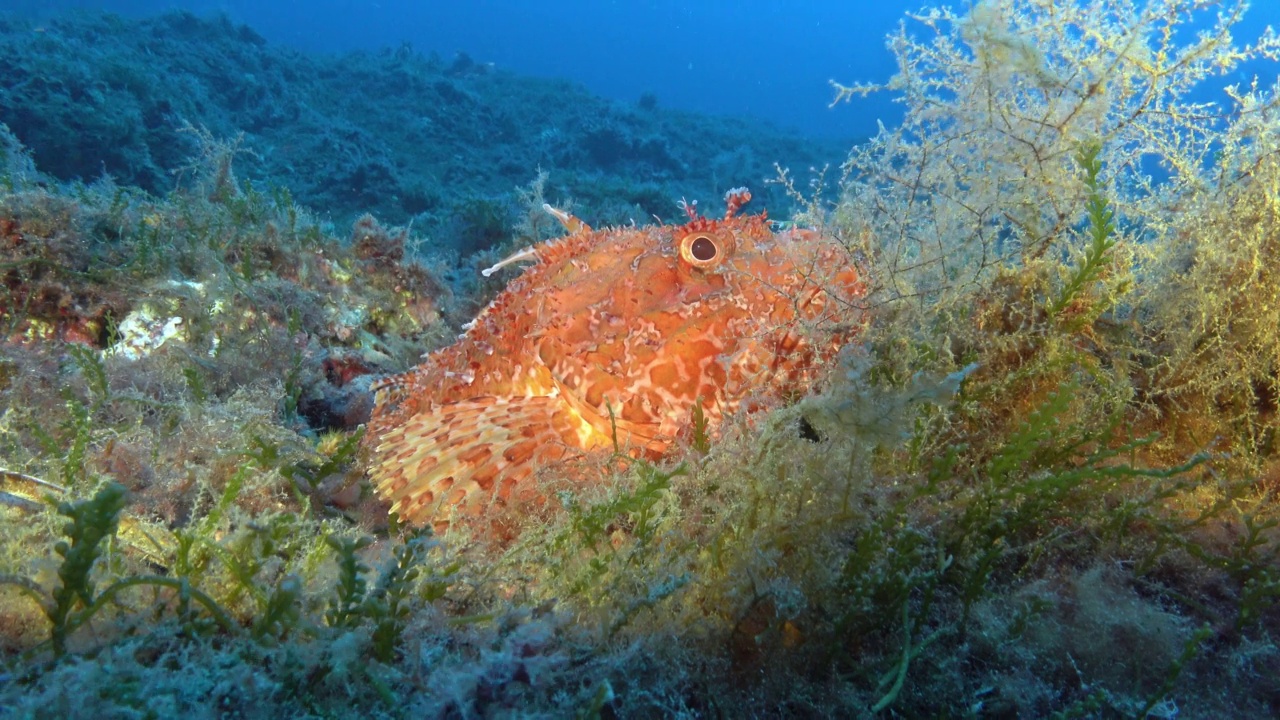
(462, 459)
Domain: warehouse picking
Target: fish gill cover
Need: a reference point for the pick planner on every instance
(1039, 479)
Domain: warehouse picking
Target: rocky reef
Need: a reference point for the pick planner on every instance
(408, 137)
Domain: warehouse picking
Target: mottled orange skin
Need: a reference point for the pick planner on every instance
(637, 320)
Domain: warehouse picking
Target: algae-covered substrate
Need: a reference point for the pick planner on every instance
(1040, 482)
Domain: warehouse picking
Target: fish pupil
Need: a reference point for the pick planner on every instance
(703, 249)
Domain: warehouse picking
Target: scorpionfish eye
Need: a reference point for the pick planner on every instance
(705, 250)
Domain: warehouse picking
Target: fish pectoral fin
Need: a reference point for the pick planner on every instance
(464, 458)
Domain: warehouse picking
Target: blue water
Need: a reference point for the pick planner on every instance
(767, 58)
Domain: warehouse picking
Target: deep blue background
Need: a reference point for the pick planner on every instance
(768, 58)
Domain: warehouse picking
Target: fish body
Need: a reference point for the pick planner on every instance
(609, 340)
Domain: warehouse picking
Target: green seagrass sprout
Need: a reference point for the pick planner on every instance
(1101, 231)
(92, 521)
